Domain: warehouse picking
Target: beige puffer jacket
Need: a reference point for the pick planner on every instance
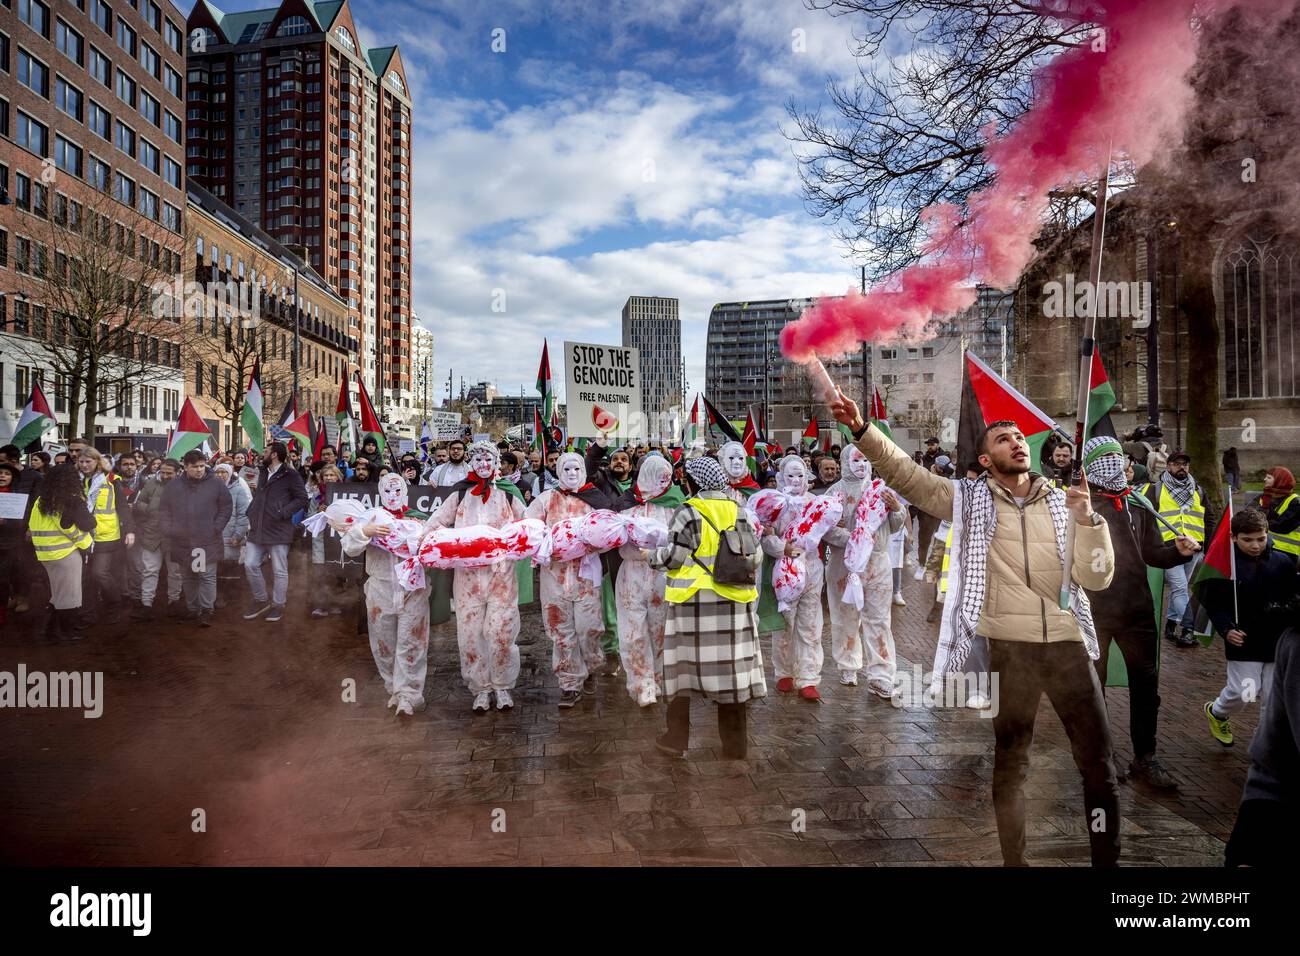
(1024, 569)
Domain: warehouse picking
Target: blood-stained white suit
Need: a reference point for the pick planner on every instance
(797, 648)
(487, 599)
(852, 630)
(571, 611)
(639, 591)
(397, 618)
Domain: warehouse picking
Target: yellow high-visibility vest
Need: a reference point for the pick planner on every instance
(51, 540)
(1290, 541)
(943, 569)
(104, 508)
(683, 582)
(1189, 520)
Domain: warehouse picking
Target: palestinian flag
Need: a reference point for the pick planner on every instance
(369, 420)
(545, 385)
(35, 421)
(695, 428)
(280, 428)
(250, 417)
(717, 420)
(1101, 399)
(190, 432)
(318, 439)
(749, 439)
(809, 438)
(1217, 563)
(343, 415)
(845, 431)
(986, 397)
(878, 415)
(300, 430)
(539, 433)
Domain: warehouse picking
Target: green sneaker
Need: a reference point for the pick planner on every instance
(1221, 730)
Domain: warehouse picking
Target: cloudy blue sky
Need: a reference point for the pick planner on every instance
(615, 148)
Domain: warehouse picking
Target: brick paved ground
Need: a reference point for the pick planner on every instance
(248, 724)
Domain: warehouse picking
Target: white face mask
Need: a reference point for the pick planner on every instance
(732, 458)
(794, 477)
(572, 472)
(392, 492)
(858, 466)
(483, 464)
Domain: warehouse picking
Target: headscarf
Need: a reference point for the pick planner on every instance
(1283, 485)
(852, 484)
(225, 470)
(707, 474)
(1104, 464)
(793, 477)
(653, 478)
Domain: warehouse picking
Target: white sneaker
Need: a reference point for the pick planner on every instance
(404, 709)
(978, 702)
(849, 678)
(394, 700)
(504, 700)
(648, 697)
(919, 573)
(898, 599)
(881, 689)
(483, 702)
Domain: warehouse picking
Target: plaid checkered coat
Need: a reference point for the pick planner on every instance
(710, 643)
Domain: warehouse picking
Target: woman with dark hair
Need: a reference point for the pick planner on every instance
(61, 528)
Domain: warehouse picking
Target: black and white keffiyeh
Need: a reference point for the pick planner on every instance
(706, 473)
(974, 520)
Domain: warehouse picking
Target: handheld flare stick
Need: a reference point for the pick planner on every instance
(1086, 349)
(821, 380)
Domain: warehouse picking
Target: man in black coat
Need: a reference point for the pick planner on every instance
(193, 514)
(279, 496)
(1125, 612)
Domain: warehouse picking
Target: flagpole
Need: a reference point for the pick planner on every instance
(1232, 561)
(1086, 349)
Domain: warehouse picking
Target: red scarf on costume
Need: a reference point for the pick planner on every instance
(747, 482)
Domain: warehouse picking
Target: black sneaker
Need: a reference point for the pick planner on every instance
(1185, 638)
(1149, 771)
(589, 685)
(1171, 631)
(277, 612)
(569, 698)
(663, 745)
(205, 617)
(256, 609)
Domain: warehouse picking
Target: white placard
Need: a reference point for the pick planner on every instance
(444, 425)
(13, 505)
(603, 391)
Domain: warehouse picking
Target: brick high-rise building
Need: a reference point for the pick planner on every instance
(294, 123)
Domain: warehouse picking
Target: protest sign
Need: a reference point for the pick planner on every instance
(603, 391)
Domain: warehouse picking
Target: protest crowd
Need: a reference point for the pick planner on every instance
(668, 568)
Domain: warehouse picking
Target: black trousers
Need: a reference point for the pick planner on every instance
(1062, 671)
(732, 721)
(1140, 644)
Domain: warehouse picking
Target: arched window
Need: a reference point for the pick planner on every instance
(294, 26)
(1261, 331)
(395, 81)
(345, 38)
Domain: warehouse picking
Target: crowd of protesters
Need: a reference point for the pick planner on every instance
(150, 536)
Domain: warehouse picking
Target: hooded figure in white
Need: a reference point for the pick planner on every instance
(571, 605)
(639, 591)
(854, 630)
(797, 654)
(487, 599)
(398, 618)
(735, 465)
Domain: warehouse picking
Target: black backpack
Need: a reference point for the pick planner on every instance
(738, 557)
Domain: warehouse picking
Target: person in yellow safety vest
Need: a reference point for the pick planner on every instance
(61, 531)
(110, 506)
(711, 635)
(1181, 502)
(1281, 505)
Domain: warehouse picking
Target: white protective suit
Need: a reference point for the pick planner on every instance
(639, 592)
(571, 608)
(852, 630)
(397, 618)
(797, 649)
(487, 599)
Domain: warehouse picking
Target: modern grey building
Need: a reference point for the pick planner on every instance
(651, 324)
(744, 365)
